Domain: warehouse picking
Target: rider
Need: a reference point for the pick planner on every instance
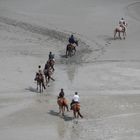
(51, 60)
(51, 56)
(122, 23)
(40, 70)
(61, 95)
(40, 73)
(75, 99)
(72, 39)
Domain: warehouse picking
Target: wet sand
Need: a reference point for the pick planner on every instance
(104, 72)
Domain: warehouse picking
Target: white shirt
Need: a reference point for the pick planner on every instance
(122, 22)
(76, 98)
(40, 71)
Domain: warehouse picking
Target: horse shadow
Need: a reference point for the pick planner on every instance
(65, 117)
(31, 89)
(110, 39)
(63, 56)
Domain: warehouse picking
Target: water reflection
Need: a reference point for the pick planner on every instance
(72, 69)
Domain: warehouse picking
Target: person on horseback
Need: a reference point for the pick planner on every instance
(51, 60)
(75, 99)
(40, 73)
(51, 56)
(122, 23)
(40, 70)
(61, 95)
(72, 39)
(46, 66)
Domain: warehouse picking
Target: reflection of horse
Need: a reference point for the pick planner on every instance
(71, 49)
(62, 103)
(76, 110)
(120, 30)
(40, 82)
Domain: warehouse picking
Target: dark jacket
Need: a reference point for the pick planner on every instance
(71, 40)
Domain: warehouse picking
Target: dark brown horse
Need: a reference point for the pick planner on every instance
(51, 63)
(120, 30)
(71, 49)
(48, 72)
(62, 103)
(76, 110)
(40, 82)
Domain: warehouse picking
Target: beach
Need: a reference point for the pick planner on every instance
(105, 72)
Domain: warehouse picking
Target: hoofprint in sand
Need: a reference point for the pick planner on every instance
(106, 73)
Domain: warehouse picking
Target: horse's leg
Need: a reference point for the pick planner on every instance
(124, 34)
(43, 85)
(62, 108)
(80, 114)
(74, 113)
(40, 87)
(119, 35)
(67, 51)
(70, 52)
(59, 109)
(46, 80)
(52, 78)
(115, 32)
(37, 86)
(67, 107)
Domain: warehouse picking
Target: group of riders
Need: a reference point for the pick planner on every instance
(49, 69)
(49, 66)
(74, 105)
(46, 72)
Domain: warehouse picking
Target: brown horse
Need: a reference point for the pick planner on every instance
(76, 110)
(48, 74)
(71, 49)
(62, 103)
(40, 82)
(120, 30)
(51, 63)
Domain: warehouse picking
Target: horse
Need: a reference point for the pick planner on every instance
(62, 103)
(76, 110)
(40, 82)
(71, 49)
(120, 30)
(51, 63)
(48, 72)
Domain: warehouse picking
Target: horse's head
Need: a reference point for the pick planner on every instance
(76, 42)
